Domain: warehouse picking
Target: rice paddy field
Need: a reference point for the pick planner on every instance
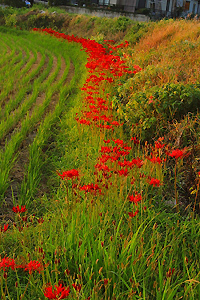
(99, 163)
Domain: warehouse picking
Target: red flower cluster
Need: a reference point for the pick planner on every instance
(177, 153)
(102, 62)
(133, 214)
(90, 188)
(19, 210)
(33, 265)
(70, 174)
(6, 263)
(59, 292)
(5, 228)
(135, 199)
(135, 140)
(155, 182)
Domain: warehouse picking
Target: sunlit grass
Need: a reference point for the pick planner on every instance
(121, 240)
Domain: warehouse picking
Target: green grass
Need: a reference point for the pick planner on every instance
(88, 238)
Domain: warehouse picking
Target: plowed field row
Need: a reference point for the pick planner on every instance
(36, 80)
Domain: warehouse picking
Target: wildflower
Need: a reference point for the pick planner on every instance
(155, 160)
(60, 292)
(170, 272)
(155, 182)
(133, 214)
(77, 287)
(33, 265)
(92, 188)
(123, 172)
(177, 153)
(19, 210)
(5, 228)
(159, 145)
(40, 220)
(106, 141)
(135, 199)
(69, 174)
(118, 142)
(7, 262)
(138, 162)
(135, 140)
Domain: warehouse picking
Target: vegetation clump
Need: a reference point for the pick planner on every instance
(99, 159)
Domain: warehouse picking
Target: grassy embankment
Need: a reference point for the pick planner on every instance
(136, 235)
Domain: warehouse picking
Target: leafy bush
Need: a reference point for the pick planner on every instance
(122, 23)
(154, 109)
(41, 21)
(137, 31)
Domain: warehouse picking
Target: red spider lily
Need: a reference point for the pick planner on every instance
(102, 167)
(170, 272)
(135, 199)
(155, 160)
(137, 162)
(118, 142)
(77, 287)
(19, 210)
(69, 174)
(115, 123)
(155, 182)
(7, 262)
(59, 292)
(122, 172)
(137, 69)
(135, 140)
(159, 145)
(5, 228)
(33, 265)
(40, 220)
(106, 141)
(83, 121)
(177, 153)
(92, 188)
(133, 214)
(106, 149)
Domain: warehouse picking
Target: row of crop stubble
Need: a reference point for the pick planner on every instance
(36, 80)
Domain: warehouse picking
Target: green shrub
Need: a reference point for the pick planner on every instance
(154, 109)
(10, 20)
(122, 23)
(136, 31)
